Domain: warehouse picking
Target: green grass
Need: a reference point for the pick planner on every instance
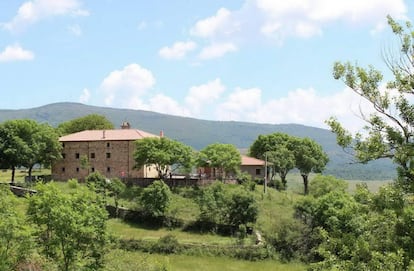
(5, 175)
(120, 229)
(123, 260)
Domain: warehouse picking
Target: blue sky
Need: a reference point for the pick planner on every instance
(265, 61)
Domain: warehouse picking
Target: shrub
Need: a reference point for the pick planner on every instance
(73, 183)
(167, 244)
(155, 198)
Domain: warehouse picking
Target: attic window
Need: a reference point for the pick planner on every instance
(108, 144)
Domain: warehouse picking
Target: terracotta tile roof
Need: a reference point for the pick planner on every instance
(251, 161)
(106, 135)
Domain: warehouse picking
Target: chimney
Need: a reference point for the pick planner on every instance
(125, 125)
(161, 133)
(103, 134)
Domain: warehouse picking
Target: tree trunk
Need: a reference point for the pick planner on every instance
(30, 173)
(305, 183)
(13, 173)
(282, 175)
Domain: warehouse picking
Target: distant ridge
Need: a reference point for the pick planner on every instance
(199, 133)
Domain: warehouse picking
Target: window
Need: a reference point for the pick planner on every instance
(258, 171)
(108, 155)
(77, 155)
(108, 144)
(63, 169)
(77, 169)
(63, 155)
(93, 169)
(63, 145)
(93, 155)
(108, 169)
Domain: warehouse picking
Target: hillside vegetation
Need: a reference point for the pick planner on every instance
(200, 133)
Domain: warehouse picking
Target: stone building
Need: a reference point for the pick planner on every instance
(109, 152)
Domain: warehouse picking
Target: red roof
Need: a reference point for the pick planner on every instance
(251, 161)
(106, 135)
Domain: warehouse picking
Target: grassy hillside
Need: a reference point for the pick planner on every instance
(199, 133)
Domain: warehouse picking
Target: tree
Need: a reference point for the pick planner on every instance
(116, 187)
(165, 154)
(155, 198)
(277, 148)
(225, 157)
(89, 122)
(389, 132)
(16, 239)
(71, 228)
(321, 185)
(309, 157)
(27, 143)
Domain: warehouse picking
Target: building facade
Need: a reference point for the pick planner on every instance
(109, 152)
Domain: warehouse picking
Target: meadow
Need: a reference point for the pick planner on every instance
(274, 208)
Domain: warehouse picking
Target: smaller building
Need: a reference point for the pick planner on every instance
(253, 166)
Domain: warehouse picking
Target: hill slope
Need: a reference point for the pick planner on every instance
(199, 133)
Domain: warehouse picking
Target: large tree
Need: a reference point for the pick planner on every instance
(390, 129)
(165, 154)
(71, 228)
(88, 122)
(277, 149)
(26, 143)
(309, 157)
(16, 239)
(225, 157)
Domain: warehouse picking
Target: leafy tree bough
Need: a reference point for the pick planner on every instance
(390, 129)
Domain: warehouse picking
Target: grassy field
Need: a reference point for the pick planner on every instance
(5, 175)
(134, 261)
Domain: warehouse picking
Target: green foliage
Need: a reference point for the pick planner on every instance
(71, 228)
(278, 149)
(212, 203)
(241, 208)
(389, 130)
(155, 198)
(73, 183)
(167, 244)
(16, 242)
(89, 122)
(224, 157)
(166, 154)
(218, 205)
(309, 157)
(25, 143)
(321, 185)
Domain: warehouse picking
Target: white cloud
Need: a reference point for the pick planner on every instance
(142, 25)
(178, 50)
(164, 104)
(217, 50)
(15, 53)
(75, 30)
(33, 11)
(302, 106)
(121, 87)
(210, 26)
(85, 96)
(202, 95)
(278, 20)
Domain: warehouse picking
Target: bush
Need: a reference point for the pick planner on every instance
(73, 183)
(167, 244)
(155, 198)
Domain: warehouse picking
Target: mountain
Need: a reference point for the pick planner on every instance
(199, 133)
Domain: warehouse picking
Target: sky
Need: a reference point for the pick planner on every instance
(262, 61)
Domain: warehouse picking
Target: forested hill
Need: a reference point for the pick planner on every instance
(199, 133)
